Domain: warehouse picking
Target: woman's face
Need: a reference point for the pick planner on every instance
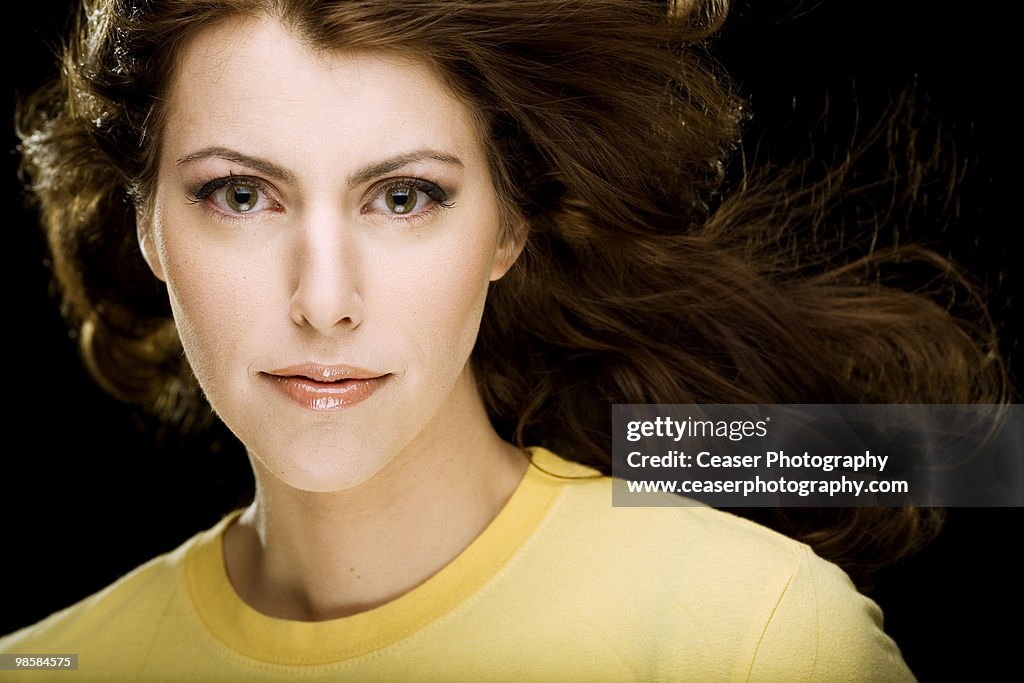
(327, 229)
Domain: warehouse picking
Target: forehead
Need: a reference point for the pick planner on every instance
(248, 82)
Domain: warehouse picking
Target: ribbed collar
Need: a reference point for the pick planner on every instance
(287, 642)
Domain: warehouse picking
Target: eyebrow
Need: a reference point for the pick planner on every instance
(227, 154)
(361, 175)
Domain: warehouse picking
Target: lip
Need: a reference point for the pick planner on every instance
(321, 387)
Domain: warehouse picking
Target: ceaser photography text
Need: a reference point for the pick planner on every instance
(819, 455)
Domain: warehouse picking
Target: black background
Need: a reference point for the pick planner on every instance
(89, 489)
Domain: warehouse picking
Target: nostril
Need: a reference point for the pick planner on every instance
(325, 310)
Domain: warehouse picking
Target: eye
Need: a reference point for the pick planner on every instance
(408, 197)
(235, 196)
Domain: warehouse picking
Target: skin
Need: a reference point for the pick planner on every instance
(355, 506)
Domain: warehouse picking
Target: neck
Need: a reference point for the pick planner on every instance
(310, 556)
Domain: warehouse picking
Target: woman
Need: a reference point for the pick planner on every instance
(394, 239)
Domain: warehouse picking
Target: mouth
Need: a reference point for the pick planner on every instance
(319, 387)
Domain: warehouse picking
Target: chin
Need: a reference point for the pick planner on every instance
(321, 469)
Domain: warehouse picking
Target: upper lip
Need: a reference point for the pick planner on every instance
(323, 372)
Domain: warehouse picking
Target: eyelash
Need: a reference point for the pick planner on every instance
(439, 195)
(200, 193)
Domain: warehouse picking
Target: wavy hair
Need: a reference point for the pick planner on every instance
(607, 128)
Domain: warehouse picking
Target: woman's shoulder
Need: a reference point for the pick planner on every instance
(725, 580)
(118, 619)
(677, 528)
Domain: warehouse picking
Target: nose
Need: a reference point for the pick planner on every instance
(328, 259)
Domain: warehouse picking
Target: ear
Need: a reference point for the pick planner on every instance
(144, 233)
(509, 249)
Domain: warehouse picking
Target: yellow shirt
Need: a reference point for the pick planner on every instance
(561, 586)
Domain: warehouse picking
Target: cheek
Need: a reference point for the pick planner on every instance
(444, 297)
(214, 300)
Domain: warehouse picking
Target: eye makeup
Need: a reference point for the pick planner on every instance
(239, 197)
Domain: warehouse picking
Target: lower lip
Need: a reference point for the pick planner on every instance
(324, 396)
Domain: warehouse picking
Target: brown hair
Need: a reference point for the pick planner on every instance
(607, 129)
